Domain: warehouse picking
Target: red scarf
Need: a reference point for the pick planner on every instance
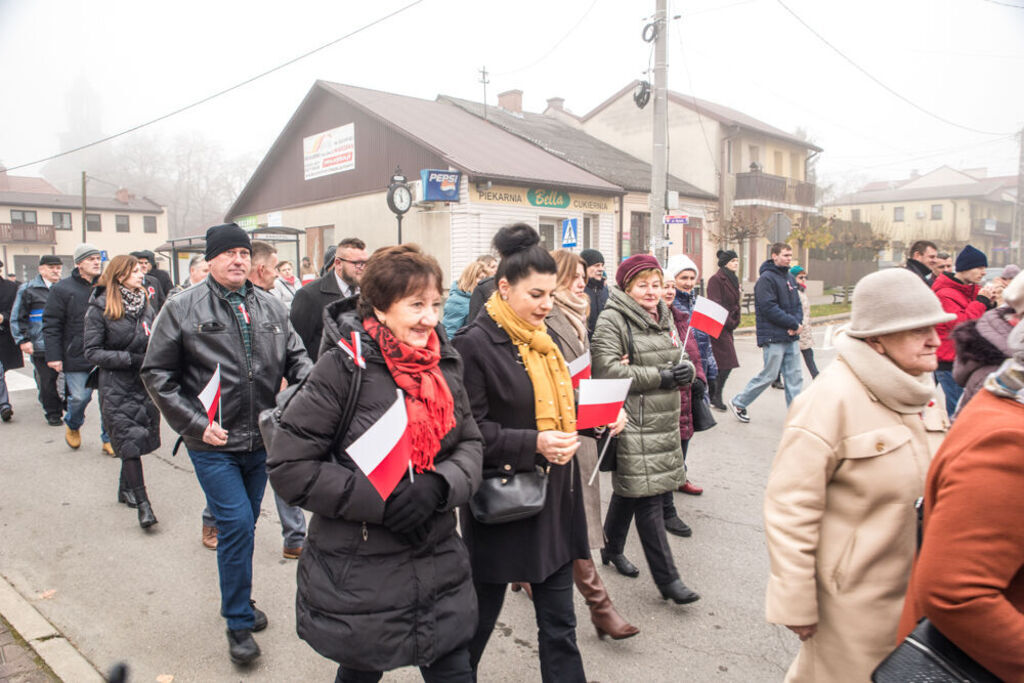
(428, 400)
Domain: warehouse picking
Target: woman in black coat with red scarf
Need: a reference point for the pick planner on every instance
(384, 580)
(118, 322)
(724, 289)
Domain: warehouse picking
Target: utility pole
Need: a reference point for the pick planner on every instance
(83, 207)
(659, 158)
(483, 79)
(1018, 213)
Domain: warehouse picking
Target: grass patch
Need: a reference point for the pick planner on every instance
(817, 311)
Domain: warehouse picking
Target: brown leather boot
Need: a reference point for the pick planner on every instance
(605, 618)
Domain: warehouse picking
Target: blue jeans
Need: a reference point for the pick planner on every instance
(784, 356)
(5, 399)
(293, 522)
(950, 388)
(234, 485)
(78, 398)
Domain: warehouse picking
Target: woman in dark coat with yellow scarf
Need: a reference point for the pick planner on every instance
(522, 398)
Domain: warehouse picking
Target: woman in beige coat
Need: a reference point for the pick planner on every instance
(839, 506)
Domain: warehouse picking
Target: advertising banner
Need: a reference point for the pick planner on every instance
(440, 186)
(332, 151)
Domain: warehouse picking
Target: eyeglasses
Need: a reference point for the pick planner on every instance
(357, 264)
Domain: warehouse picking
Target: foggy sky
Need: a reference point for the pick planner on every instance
(961, 59)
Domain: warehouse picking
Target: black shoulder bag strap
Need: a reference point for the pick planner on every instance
(629, 335)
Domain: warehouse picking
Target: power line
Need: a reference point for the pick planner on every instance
(220, 93)
(553, 47)
(696, 107)
(877, 81)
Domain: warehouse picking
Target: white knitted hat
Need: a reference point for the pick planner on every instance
(1013, 295)
(679, 263)
(893, 300)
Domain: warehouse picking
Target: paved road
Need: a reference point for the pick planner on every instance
(118, 593)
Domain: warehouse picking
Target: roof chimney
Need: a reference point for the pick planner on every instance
(124, 196)
(511, 100)
(556, 103)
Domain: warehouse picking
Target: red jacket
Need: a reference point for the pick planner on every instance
(961, 300)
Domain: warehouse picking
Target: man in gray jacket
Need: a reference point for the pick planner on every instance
(218, 353)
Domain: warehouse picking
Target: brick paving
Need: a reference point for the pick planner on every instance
(18, 661)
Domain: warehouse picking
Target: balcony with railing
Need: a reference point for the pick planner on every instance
(27, 232)
(764, 189)
(990, 226)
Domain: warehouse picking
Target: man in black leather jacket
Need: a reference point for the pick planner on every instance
(226, 324)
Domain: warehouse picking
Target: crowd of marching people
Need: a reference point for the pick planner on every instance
(445, 439)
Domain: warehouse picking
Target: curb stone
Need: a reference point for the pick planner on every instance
(48, 643)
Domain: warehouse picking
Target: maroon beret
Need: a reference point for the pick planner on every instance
(632, 266)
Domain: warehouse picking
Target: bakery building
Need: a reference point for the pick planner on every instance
(328, 171)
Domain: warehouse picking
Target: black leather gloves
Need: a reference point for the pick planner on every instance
(698, 387)
(411, 504)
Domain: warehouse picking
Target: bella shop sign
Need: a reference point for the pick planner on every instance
(543, 199)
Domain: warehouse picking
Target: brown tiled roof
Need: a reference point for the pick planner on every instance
(579, 148)
(20, 183)
(718, 112)
(469, 143)
(73, 201)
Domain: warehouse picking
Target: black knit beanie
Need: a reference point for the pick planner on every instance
(591, 257)
(726, 255)
(220, 238)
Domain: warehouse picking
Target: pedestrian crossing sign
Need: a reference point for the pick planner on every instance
(569, 232)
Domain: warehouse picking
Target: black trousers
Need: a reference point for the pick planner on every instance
(668, 501)
(808, 355)
(716, 394)
(453, 667)
(46, 380)
(560, 660)
(650, 525)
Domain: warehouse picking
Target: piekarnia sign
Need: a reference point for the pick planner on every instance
(543, 199)
(331, 151)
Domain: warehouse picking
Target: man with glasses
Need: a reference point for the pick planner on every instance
(340, 283)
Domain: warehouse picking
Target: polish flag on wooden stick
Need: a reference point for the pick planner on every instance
(579, 369)
(210, 395)
(600, 401)
(384, 451)
(708, 316)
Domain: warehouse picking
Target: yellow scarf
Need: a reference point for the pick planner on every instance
(552, 385)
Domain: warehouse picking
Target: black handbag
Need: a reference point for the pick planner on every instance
(509, 498)
(92, 381)
(927, 656)
(700, 411)
(610, 459)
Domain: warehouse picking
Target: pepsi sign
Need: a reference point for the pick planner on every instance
(440, 186)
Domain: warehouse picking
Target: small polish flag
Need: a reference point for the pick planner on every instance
(579, 369)
(245, 314)
(210, 395)
(600, 401)
(384, 450)
(145, 327)
(708, 317)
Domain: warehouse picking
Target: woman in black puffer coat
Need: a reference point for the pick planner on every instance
(118, 322)
(384, 580)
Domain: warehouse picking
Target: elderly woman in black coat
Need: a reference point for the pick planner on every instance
(384, 580)
(118, 322)
(522, 397)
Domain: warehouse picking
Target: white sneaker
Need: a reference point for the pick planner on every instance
(740, 413)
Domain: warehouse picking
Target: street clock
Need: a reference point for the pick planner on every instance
(399, 198)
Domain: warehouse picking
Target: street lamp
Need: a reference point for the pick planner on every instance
(399, 198)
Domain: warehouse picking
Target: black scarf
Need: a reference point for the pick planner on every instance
(732, 277)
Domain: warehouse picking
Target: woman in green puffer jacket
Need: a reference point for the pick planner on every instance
(635, 337)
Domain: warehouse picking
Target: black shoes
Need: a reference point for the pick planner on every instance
(145, 510)
(676, 526)
(777, 384)
(6, 412)
(259, 617)
(622, 565)
(54, 421)
(242, 647)
(127, 496)
(678, 593)
(717, 404)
